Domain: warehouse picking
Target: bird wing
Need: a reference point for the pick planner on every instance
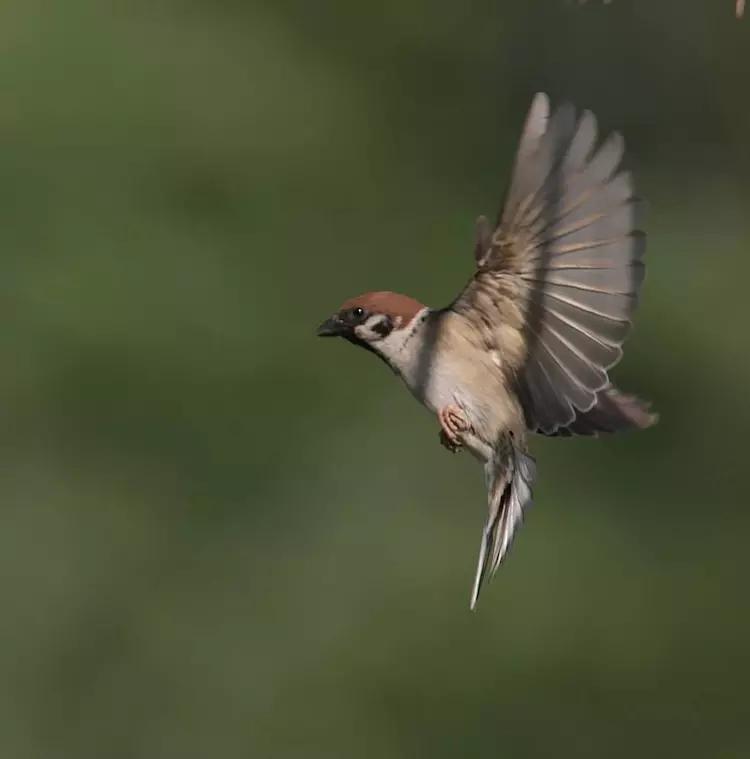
(556, 282)
(614, 411)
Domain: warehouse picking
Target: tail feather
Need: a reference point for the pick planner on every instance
(509, 479)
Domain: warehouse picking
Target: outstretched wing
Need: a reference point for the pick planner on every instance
(557, 280)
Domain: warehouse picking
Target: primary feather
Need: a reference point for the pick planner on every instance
(564, 262)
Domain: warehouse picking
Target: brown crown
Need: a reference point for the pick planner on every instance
(385, 302)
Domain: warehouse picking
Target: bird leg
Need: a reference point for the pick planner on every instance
(452, 424)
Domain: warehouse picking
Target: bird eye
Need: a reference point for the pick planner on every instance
(358, 312)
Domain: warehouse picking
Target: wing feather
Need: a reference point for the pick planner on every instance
(567, 253)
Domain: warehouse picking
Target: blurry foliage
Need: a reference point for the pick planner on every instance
(222, 538)
(739, 6)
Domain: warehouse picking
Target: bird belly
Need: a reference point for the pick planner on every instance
(482, 399)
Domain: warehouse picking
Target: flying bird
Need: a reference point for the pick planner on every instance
(527, 344)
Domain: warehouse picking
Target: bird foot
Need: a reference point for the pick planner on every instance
(452, 424)
(446, 442)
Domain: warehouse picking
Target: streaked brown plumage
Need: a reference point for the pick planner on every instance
(527, 345)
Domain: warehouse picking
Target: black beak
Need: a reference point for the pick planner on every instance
(332, 327)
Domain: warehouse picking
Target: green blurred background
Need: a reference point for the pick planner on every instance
(220, 537)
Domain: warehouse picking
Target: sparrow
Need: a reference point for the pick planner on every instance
(527, 344)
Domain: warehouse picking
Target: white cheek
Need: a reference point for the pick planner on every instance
(363, 332)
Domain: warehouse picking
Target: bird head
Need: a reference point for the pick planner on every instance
(373, 321)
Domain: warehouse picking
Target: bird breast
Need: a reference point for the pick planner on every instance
(443, 364)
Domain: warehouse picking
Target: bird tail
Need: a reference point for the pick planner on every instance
(509, 474)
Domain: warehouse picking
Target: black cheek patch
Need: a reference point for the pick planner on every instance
(384, 327)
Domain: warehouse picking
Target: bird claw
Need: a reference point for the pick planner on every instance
(451, 445)
(452, 424)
